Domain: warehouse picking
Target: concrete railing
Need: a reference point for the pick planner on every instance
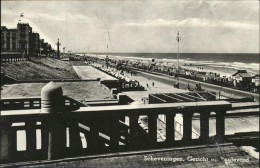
(12, 59)
(34, 103)
(93, 130)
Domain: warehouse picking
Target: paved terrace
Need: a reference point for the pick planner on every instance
(88, 72)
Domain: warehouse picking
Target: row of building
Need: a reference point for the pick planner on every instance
(23, 41)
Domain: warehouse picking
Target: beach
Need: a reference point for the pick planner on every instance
(218, 66)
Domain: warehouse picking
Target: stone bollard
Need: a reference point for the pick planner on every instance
(52, 102)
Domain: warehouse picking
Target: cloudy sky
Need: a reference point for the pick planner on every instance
(141, 26)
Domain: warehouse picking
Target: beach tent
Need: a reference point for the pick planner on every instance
(255, 82)
(255, 79)
(242, 76)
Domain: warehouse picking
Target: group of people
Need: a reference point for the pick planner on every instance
(197, 86)
(112, 71)
(147, 85)
(121, 66)
(126, 81)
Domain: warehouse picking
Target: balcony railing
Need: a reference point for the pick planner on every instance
(35, 103)
(10, 58)
(103, 129)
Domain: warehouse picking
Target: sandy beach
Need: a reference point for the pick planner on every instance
(222, 68)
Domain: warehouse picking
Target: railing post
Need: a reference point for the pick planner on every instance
(31, 139)
(220, 124)
(152, 128)
(114, 132)
(74, 136)
(14, 142)
(204, 126)
(31, 103)
(170, 130)
(93, 143)
(187, 125)
(52, 102)
(133, 121)
(5, 140)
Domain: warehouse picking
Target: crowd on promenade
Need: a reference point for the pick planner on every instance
(196, 73)
(233, 81)
(119, 73)
(186, 71)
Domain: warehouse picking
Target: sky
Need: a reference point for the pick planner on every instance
(216, 26)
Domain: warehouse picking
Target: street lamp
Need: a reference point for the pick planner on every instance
(178, 38)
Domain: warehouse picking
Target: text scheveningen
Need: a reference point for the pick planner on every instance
(191, 159)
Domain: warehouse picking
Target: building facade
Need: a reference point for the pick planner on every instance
(21, 41)
(34, 44)
(9, 40)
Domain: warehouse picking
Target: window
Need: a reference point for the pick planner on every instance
(8, 46)
(2, 38)
(13, 35)
(14, 46)
(22, 45)
(22, 34)
(2, 44)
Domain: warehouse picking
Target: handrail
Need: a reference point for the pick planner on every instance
(138, 108)
(108, 131)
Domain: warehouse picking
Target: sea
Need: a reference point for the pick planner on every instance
(214, 57)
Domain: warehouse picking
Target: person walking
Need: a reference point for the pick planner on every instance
(188, 87)
(107, 59)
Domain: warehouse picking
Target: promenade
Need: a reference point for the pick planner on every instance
(159, 87)
(170, 80)
(224, 91)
